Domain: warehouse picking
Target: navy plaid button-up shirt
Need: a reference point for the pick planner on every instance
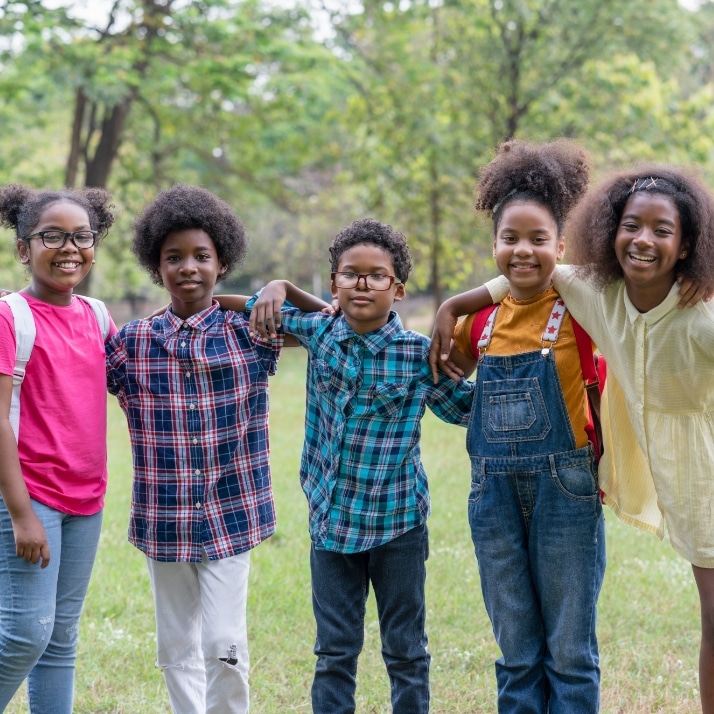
(361, 465)
(195, 393)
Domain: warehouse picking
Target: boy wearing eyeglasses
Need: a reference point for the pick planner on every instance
(368, 386)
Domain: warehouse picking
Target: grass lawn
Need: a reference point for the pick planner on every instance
(648, 616)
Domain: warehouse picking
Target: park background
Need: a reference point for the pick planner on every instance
(304, 116)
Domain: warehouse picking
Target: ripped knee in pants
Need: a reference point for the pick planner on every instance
(232, 658)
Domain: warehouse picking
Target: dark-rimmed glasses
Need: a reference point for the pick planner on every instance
(372, 281)
(57, 239)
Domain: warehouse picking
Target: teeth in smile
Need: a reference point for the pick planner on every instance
(642, 258)
(67, 265)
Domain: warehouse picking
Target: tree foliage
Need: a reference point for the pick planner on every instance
(305, 116)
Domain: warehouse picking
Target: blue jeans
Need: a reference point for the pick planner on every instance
(538, 533)
(40, 609)
(539, 538)
(340, 585)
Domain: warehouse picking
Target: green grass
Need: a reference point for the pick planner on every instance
(648, 618)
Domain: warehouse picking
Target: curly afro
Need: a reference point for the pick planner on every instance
(593, 225)
(368, 231)
(183, 207)
(553, 174)
(21, 207)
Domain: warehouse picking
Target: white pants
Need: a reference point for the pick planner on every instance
(201, 633)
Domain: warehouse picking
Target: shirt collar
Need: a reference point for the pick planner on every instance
(657, 312)
(374, 341)
(202, 320)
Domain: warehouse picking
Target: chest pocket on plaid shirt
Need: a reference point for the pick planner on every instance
(387, 399)
(325, 377)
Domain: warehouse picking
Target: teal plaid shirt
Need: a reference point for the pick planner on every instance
(361, 465)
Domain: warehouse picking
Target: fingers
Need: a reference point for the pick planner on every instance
(451, 370)
(45, 555)
(441, 335)
(265, 319)
(34, 553)
(434, 357)
(690, 293)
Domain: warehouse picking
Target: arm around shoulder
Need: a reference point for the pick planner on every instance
(265, 313)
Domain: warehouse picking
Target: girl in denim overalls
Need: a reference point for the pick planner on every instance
(534, 507)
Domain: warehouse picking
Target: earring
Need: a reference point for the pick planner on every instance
(93, 262)
(683, 254)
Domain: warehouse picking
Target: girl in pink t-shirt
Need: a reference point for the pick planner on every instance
(53, 473)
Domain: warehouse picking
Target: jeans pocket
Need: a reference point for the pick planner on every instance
(514, 410)
(576, 481)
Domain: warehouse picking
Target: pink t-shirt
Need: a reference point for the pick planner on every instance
(63, 406)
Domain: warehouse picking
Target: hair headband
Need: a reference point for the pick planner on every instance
(503, 200)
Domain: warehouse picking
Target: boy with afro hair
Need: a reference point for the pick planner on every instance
(193, 384)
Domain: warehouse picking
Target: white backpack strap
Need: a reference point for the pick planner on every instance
(100, 312)
(25, 333)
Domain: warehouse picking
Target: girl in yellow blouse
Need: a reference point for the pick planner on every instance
(631, 237)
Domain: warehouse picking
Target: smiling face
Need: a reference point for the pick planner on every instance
(57, 271)
(366, 310)
(648, 245)
(527, 247)
(189, 268)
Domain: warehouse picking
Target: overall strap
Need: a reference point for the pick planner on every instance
(25, 333)
(482, 327)
(555, 322)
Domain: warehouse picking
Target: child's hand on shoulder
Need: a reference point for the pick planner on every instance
(690, 293)
(332, 309)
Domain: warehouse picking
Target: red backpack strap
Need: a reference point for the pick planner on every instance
(594, 370)
(478, 324)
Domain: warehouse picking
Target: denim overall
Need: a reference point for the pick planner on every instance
(538, 532)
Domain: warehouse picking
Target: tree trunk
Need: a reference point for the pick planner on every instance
(75, 150)
(435, 223)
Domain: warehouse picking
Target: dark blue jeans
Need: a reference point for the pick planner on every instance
(340, 585)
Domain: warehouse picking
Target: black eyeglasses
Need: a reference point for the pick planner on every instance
(57, 239)
(373, 281)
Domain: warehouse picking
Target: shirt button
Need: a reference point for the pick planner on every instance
(191, 406)
(185, 325)
(198, 505)
(183, 344)
(195, 440)
(197, 472)
(188, 374)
